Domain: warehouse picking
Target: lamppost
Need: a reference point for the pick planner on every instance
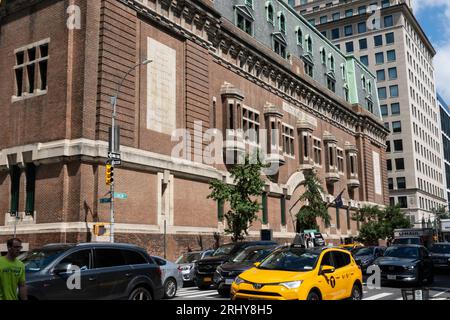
(113, 149)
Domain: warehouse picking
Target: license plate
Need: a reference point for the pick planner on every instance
(391, 277)
(208, 279)
(229, 281)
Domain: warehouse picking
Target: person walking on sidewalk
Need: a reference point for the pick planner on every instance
(12, 273)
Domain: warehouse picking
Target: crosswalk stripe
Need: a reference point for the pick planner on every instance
(378, 296)
(200, 295)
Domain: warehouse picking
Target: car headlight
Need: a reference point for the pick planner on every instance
(291, 284)
(239, 280)
(410, 267)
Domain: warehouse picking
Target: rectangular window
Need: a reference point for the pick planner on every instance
(288, 140)
(335, 34)
(348, 13)
(364, 60)
(317, 150)
(395, 108)
(385, 3)
(393, 91)
(378, 40)
(388, 21)
(336, 16)
(362, 44)
(382, 93)
(400, 164)
(220, 210)
(391, 184)
(390, 38)
(391, 56)
(384, 110)
(362, 27)
(349, 47)
(324, 19)
(389, 164)
(309, 69)
(331, 84)
(340, 160)
(15, 189)
(396, 127)
(250, 125)
(348, 30)
(381, 75)
(279, 48)
(362, 10)
(401, 183)
(265, 215)
(379, 58)
(283, 210)
(244, 24)
(388, 146)
(392, 73)
(402, 201)
(398, 145)
(30, 188)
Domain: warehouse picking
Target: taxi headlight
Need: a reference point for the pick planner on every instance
(239, 280)
(292, 284)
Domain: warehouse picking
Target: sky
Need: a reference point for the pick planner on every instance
(434, 17)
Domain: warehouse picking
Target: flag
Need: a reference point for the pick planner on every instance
(338, 201)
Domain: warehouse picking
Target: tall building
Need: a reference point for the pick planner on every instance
(445, 130)
(217, 67)
(386, 37)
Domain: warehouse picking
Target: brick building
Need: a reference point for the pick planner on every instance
(216, 64)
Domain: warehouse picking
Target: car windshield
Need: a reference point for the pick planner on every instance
(188, 257)
(363, 252)
(402, 252)
(407, 241)
(223, 250)
(440, 248)
(290, 260)
(251, 255)
(37, 260)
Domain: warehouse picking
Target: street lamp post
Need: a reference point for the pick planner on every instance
(112, 142)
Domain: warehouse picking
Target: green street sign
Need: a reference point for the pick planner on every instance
(120, 195)
(105, 200)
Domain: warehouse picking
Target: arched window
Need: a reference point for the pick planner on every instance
(369, 87)
(363, 82)
(323, 55)
(332, 64)
(309, 44)
(269, 12)
(282, 22)
(299, 33)
(343, 71)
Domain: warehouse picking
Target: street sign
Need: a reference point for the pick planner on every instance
(116, 162)
(105, 200)
(113, 155)
(120, 195)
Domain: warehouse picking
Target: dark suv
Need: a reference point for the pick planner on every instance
(92, 271)
(205, 268)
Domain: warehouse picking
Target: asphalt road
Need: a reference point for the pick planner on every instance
(439, 290)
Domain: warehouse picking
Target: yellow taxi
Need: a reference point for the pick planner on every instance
(297, 273)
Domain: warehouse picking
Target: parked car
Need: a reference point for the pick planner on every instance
(365, 256)
(171, 276)
(205, 268)
(186, 263)
(406, 263)
(440, 254)
(298, 273)
(107, 271)
(228, 271)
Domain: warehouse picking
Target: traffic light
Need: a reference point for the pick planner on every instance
(109, 178)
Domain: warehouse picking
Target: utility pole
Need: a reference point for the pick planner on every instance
(114, 145)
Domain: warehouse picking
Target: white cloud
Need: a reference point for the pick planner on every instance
(419, 5)
(442, 68)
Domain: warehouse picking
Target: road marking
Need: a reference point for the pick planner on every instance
(197, 292)
(378, 296)
(440, 293)
(200, 295)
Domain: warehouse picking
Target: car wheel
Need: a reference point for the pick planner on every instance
(313, 296)
(204, 286)
(170, 288)
(356, 293)
(140, 294)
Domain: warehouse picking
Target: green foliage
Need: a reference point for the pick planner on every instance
(315, 207)
(380, 224)
(247, 184)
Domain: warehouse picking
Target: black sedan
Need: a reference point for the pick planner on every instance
(406, 263)
(365, 256)
(440, 254)
(227, 272)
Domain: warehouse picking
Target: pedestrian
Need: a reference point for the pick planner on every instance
(12, 273)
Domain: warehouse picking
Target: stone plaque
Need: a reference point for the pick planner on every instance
(377, 173)
(161, 87)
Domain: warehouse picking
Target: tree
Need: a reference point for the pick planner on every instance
(380, 224)
(243, 210)
(315, 207)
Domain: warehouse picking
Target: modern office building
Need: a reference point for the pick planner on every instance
(445, 129)
(386, 37)
(228, 66)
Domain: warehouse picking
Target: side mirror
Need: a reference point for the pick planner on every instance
(257, 264)
(62, 268)
(326, 269)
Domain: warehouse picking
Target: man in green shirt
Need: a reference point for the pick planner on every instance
(12, 273)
